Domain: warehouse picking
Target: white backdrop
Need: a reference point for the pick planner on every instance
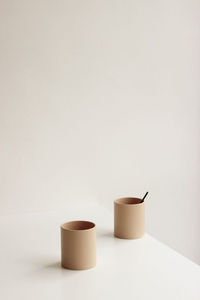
(100, 99)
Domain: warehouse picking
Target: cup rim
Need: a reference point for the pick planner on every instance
(128, 201)
(86, 226)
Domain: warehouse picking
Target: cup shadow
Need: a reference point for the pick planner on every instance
(47, 268)
(53, 266)
(57, 267)
(105, 234)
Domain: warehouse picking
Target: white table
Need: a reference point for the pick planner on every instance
(126, 269)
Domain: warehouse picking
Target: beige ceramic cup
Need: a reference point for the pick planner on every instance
(129, 218)
(78, 245)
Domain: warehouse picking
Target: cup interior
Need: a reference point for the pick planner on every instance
(129, 200)
(78, 225)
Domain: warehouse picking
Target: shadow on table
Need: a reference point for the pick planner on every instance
(56, 268)
(103, 233)
(42, 268)
(53, 266)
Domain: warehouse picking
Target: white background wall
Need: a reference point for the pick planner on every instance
(100, 99)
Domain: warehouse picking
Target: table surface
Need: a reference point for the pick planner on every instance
(126, 269)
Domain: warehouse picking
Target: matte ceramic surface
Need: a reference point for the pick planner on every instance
(129, 218)
(78, 245)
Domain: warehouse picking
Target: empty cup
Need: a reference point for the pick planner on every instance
(129, 218)
(78, 245)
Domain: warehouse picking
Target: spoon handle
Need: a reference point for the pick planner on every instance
(144, 196)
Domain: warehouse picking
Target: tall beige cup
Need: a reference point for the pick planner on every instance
(129, 218)
(78, 245)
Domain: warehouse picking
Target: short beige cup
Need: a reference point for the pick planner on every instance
(129, 218)
(78, 245)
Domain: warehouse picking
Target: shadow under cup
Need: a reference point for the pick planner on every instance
(78, 245)
(129, 218)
